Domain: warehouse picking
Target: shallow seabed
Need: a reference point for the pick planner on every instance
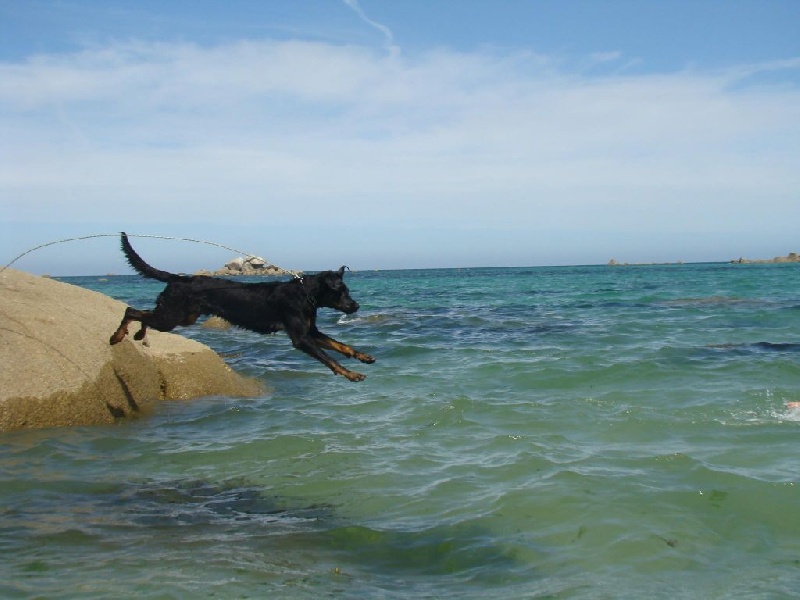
(575, 432)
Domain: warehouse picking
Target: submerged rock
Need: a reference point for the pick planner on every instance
(57, 367)
(215, 322)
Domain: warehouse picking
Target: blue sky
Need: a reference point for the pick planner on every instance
(387, 134)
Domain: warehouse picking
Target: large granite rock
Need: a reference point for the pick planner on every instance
(57, 367)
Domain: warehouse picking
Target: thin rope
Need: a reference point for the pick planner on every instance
(294, 274)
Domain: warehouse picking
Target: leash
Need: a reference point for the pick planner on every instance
(295, 274)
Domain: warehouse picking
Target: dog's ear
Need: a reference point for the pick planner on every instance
(341, 270)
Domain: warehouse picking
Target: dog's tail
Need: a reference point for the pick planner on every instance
(137, 262)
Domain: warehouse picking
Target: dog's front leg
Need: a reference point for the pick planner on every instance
(331, 344)
(307, 345)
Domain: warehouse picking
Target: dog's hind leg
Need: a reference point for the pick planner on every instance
(159, 319)
(141, 335)
(131, 314)
(331, 344)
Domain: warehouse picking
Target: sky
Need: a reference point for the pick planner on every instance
(383, 134)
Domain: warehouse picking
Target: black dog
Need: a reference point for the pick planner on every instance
(261, 307)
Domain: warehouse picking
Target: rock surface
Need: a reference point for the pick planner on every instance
(57, 367)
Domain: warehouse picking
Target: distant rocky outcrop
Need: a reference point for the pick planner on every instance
(250, 266)
(792, 257)
(57, 367)
(615, 263)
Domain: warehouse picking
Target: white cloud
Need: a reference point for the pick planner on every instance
(279, 131)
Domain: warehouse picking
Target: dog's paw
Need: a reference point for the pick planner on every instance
(365, 358)
(118, 336)
(353, 376)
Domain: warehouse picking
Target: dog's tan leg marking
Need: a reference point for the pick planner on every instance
(349, 351)
(351, 375)
(120, 333)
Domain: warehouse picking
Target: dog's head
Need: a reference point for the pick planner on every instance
(333, 292)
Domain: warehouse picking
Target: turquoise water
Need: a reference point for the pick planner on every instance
(575, 432)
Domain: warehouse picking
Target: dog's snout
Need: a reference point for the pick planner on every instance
(347, 305)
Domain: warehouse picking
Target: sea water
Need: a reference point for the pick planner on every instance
(572, 432)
